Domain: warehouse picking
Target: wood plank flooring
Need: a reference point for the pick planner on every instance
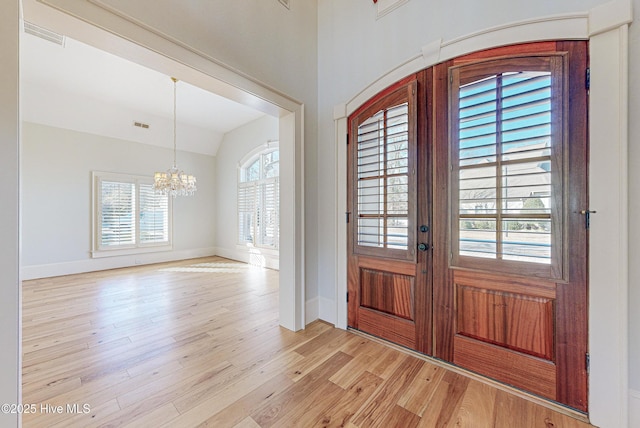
(197, 344)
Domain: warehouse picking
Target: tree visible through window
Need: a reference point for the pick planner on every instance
(259, 200)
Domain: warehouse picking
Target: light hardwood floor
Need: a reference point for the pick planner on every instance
(197, 344)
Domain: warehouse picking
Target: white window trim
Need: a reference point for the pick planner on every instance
(244, 162)
(138, 248)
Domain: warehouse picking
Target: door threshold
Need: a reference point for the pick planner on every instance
(553, 405)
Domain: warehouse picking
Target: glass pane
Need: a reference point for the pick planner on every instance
(527, 240)
(477, 194)
(370, 232)
(478, 237)
(526, 188)
(478, 122)
(371, 197)
(154, 215)
(271, 164)
(397, 232)
(252, 172)
(117, 212)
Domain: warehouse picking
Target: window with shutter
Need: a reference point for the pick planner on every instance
(259, 200)
(384, 176)
(507, 164)
(129, 217)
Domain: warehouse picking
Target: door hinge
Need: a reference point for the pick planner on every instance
(587, 218)
(347, 139)
(347, 214)
(588, 78)
(347, 297)
(587, 362)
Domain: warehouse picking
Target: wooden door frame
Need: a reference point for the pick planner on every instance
(606, 28)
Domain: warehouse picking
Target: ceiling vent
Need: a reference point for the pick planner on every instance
(43, 33)
(141, 125)
(285, 3)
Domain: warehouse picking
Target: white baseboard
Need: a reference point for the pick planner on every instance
(91, 265)
(252, 257)
(327, 310)
(320, 308)
(311, 310)
(634, 408)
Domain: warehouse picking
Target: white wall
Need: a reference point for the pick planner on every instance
(10, 304)
(56, 174)
(234, 147)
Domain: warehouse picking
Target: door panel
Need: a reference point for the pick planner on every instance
(531, 374)
(506, 322)
(387, 300)
(522, 322)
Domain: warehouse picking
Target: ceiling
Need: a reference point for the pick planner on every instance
(77, 86)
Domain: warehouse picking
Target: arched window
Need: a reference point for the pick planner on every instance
(259, 199)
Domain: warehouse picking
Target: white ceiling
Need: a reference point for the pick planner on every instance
(80, 87)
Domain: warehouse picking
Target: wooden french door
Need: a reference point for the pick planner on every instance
(467, 230)
(389, 282)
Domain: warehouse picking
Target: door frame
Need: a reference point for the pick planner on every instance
(606, 28)
(105, 28)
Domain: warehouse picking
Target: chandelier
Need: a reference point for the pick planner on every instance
(174, 182)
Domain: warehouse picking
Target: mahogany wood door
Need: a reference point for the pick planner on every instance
(467, 235)
(388, 233)
(510, 296)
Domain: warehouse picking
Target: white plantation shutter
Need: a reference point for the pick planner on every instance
(154, 215)
(246, 211)
(269, 220)
(259, 201)
(117, 214)
(128, 216)
(382, 167)
(383, 179)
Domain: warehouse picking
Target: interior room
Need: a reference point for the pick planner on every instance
(305, 80)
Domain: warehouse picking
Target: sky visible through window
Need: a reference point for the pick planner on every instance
(504, 153)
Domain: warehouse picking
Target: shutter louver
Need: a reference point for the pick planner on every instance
(504, 165)
(269, 221)
(246, 211)
(154, 216)
(117, 214)
(382, 162)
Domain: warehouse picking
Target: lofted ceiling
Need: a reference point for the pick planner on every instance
(76, 86)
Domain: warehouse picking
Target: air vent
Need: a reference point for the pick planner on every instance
(43, 33)
(141, 125)
(285, 3)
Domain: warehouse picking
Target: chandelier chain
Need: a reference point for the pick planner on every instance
(175, 147)
(174, 182)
